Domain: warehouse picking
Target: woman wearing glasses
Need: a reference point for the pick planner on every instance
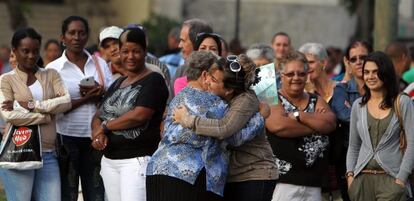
(377, 165)
(204, 42)
(187, 166)
(344, 95)
(252, 173)
(298, 128)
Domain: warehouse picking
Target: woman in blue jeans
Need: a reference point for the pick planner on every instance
(27, 98)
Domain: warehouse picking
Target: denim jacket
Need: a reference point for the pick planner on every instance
(183, 154)
(344, 96)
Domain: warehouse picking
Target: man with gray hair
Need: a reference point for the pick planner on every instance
(188, 36)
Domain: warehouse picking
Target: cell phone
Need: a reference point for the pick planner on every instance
(88, 81)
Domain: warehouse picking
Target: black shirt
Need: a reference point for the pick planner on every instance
(150, 92)
(301, 160)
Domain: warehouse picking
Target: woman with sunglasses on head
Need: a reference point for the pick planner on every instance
(252, 171)
(31, 95)
(379, 161)
(194, 165)
(297, 131)
(204, 42)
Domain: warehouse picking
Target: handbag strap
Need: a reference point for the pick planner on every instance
(99, 70)
(397, 109)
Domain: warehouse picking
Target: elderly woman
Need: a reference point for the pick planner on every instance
(252, 173)
(377, 165)
(297, 133)
(127, 126)
(31, 95)
(261, 54)
(319, 81)
(185, 162)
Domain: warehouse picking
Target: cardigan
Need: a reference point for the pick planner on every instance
(387, 153)
(56, 100)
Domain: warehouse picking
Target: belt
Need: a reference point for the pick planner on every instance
(371, 171)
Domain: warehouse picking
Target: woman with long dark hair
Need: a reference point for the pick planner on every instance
(377, 166)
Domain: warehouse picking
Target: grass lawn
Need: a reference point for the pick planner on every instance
(2, 195)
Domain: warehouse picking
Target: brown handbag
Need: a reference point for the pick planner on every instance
(397, 109)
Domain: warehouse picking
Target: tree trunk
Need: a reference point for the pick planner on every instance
(386, 23)
(17, 19)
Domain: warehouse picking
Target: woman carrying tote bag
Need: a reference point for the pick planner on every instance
(30, 95)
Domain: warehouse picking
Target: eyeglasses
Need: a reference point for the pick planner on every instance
(292, 74)
(234, 65)
(355, 58)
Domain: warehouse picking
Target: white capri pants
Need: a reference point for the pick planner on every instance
(284, 192)
(124, 179)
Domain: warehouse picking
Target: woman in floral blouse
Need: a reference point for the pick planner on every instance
(193, 165)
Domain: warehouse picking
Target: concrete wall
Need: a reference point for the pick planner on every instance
(320, 21)
(47, 18)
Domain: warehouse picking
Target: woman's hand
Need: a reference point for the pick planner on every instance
(7, 105)
(348, 70)
(99, 139)
(264, 109)
(399, 182)
(181, 116)
(93, 94)
(349, 181)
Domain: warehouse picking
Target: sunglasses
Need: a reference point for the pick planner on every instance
(234, 63)
(355, 58)
(208, 35)
(292, 74)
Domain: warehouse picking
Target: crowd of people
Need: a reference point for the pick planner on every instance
(188, 126)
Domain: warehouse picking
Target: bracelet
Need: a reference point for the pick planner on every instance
(105, 129)
(349, 174)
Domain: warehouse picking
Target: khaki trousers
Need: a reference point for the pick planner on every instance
(378, 187)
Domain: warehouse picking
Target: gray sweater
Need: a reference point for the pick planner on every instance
(387, 154)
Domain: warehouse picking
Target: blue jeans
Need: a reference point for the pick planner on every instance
(84, 162)
(40, 184)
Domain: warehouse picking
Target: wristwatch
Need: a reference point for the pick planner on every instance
(296, 115)
(31, 105)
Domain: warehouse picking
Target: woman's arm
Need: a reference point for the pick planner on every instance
(322, 122)
(136, 117)
(250, 130)
(407, 114)
(354, 139)
(279, 123)
(58, 104)
(241, 109)
(340, 103)
(99, 139)
(16, 117)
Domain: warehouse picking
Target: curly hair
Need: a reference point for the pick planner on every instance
(239, 81)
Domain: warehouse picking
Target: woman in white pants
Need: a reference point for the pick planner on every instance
(127, 125)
